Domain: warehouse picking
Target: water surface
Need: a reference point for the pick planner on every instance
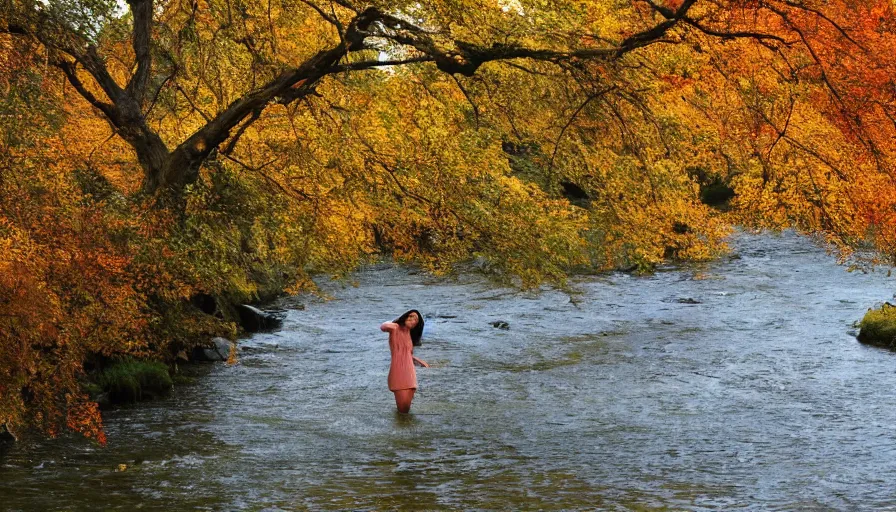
(733, 385)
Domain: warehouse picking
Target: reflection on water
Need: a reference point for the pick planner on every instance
(733, 385)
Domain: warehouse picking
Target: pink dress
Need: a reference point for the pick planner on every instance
(402, 374)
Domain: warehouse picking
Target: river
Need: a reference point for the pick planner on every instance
(731, 385)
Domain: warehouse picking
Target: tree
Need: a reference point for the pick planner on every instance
(202, 147)
(72, 40)
(236, 62)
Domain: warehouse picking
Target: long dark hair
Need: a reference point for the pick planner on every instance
(417, 331)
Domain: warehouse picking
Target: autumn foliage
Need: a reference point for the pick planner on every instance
(235, 149)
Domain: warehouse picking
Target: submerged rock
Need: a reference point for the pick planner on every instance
(500, 324)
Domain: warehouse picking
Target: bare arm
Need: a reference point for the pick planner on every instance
(417, 360)
(388, 326)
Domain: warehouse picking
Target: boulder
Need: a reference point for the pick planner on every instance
(500, 324)
(217, 350)
(253, 319)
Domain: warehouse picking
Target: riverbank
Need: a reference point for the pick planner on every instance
(132, 380)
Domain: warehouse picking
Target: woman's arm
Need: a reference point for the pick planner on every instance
(388, 326)
(417, 360)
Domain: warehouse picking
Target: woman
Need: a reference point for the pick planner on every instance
(404, 334)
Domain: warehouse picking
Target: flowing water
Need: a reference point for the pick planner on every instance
(732, 385)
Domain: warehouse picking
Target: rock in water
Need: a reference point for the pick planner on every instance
(253, 319)
(218, 351)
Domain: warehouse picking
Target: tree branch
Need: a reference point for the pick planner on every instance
(239, 133)
(823, 16)
(570, 121)
(368, 64)
(190, 101)
(656, 33)
(739, 34)
(94, 64)
(189, 155)
(332, 19)
(71, 72)
(158, 92)
(290, 191)
(456, 56)
(142, 12)
(34, 23)
(469, 99)
(768, 155)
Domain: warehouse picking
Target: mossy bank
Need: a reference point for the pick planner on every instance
(129, 381)
(878, 327)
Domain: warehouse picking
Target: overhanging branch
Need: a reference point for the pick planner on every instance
(71, 72)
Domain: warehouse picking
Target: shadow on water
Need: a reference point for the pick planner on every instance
(734, 385)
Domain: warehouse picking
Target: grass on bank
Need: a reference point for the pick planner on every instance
(130, 381)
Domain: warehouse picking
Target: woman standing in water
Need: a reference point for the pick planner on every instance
(404, 335)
